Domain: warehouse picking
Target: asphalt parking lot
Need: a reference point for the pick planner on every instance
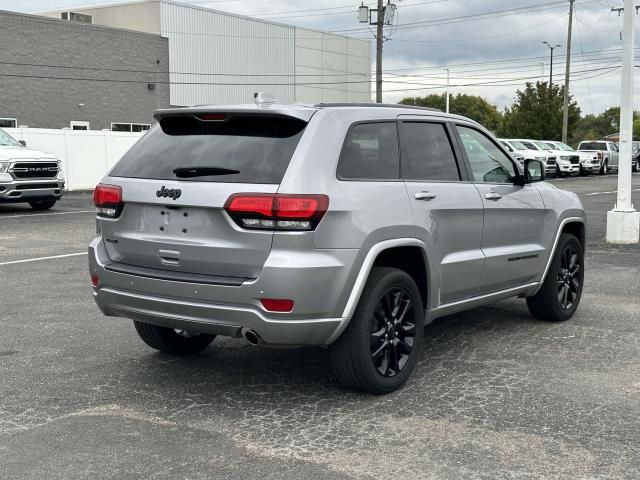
(496, 395)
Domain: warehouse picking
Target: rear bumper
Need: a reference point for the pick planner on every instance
(225, 310)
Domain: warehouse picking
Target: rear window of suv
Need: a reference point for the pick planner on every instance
(238, 149)
(592, 146)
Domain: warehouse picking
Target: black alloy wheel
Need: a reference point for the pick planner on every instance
(380, 347)
(392, 332)
(568, 280)
(560, 293)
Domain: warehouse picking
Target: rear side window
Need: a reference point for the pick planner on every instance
(370, 152)
(427, 153)
(238, 149)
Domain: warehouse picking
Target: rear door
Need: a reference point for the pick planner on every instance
(448, 211)
(176, 181)
(513, 234)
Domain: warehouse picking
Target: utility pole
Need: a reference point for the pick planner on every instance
(623, 222)
(448, 84)
(384, 16)
(567, 75)
(551, 64)
(379, 40)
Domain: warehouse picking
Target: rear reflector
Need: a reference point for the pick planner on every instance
(277, 211)
(277, 304)
(108, 200)
(94, 280)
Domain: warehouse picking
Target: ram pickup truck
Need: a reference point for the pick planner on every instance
(568, 154)
(605, 155)
(27, 175)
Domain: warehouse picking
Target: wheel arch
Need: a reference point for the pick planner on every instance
(401, 253)
(567, 225)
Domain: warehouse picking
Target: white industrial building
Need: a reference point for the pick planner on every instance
(222, 58)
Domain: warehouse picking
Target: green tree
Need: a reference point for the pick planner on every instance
(537, 113)
(471, 106)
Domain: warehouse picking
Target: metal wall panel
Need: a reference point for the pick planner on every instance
(332, 68)
(218, 58)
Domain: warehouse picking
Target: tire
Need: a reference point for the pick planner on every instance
(42, 204)
(604, 169)
(636, 166)
(550, 303)
(168, 340)
(559, 174)
(363, 357)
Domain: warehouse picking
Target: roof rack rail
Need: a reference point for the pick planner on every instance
(375, 105)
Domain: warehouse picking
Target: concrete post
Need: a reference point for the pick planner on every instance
(623, 222)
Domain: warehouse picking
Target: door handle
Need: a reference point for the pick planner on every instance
(424, 196)
(493, 196)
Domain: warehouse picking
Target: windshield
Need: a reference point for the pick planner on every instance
(564, 146)
(530, 146)
(543, 146)
(517, 145)
(7, 140)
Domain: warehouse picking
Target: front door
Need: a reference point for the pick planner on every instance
(512, 239)
(447, 211)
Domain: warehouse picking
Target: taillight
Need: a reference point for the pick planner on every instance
(108, 200)
(277, 211)
(599, 155)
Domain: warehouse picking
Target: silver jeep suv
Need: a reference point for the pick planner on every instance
(339, 225)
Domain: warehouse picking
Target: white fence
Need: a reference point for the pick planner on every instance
(86, 155)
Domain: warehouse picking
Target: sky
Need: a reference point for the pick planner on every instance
(491, 47)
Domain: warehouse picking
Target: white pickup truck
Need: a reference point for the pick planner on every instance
(605, 155)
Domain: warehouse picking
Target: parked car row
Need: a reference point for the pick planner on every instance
(560, 160)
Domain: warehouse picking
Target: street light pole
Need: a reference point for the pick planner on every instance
(623, 222)
(551, 64)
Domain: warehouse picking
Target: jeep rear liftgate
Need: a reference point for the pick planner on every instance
(173, 186)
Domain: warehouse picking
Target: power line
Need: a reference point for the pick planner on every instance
(597, 55)
(508, 60)
(474, 17)
(487, 84)
(178, 73)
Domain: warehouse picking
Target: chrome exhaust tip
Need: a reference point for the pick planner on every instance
(250, 336)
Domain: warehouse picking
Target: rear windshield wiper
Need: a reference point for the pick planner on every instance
(190, 172)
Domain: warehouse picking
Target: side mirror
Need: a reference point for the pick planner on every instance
(533, 171)
(22, 142)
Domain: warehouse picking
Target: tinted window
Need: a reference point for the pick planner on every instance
(592, 146)
(244, 149)
(370, 151)
(427, 152)
(488, 163)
